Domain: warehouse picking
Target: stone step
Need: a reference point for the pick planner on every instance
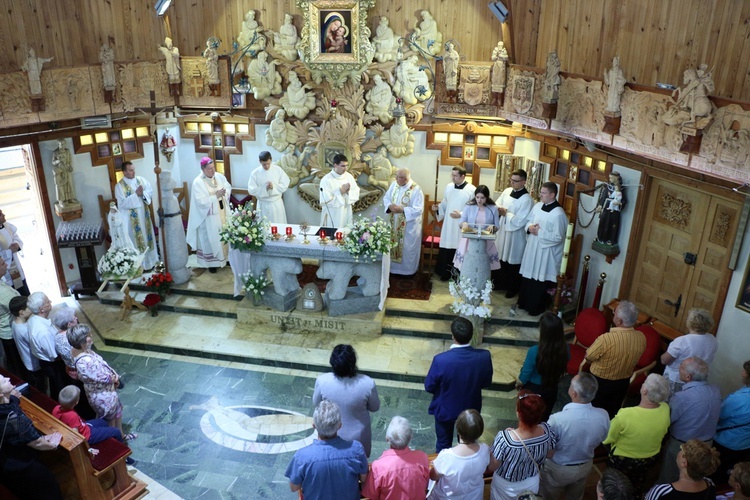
(495, 334)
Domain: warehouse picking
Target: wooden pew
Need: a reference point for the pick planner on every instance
(79, 476)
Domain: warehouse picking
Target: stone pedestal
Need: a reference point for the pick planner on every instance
(611, 123)
(549, 109)
(109, 96)
(71, 211)
(37, 103)
(354, 302)
(476, 266)
(174, 232)
(691, 140)
(478, 325)
(279, 302)
(341, 272)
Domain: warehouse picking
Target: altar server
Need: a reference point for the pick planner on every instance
(268, 183)
(455, 197)
(338, 192)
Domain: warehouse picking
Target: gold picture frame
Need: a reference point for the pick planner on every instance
(335, 40)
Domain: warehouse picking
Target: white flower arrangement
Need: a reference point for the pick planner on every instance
(245, 229)
(120, 263)
(468, 301)
(254, 284)
(368, 239)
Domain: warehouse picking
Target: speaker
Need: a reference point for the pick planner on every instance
(500, 10)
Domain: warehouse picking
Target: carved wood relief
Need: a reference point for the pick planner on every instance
(723, 221)
(674, 211)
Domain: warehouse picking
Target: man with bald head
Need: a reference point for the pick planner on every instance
(404, 203)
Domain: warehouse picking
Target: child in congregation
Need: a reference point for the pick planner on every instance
(94, 431)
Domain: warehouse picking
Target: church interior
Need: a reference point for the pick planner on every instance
(218, 385)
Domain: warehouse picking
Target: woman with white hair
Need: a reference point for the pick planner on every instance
(64, 319)
(636, 433)
(698, 342)
(400, 472)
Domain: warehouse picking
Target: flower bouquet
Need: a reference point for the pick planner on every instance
(368, 239)
(244, 231)
(160, 283)
(120, 263)
(152, 301)
(468, 301)
(254, 285)
(566, 294)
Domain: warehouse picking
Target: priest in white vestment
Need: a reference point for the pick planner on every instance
(338, 192)
(404, 204)
(514, 207)
(133, 195)
(10, 245)
(455, 197)
(544, 251)
(268, 183)
(209, 204)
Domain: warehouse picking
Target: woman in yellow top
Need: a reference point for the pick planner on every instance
(635, 434)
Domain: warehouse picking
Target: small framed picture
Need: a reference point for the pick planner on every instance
(116, 149)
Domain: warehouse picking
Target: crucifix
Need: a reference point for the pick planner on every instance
(152, 110)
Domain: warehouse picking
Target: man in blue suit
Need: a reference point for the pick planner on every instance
(455, 380)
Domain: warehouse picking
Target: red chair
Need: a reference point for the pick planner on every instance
(648, 359)
(590, 324)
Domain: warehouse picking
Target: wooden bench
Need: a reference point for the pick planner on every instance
(78, 473)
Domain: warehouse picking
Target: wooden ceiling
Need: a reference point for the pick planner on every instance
(656, 40)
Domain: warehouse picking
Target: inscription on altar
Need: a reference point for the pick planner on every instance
(301, 323)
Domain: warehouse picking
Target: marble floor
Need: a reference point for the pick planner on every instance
(220, 407)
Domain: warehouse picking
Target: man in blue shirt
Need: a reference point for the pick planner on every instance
(331, 467)
(732, 438)
(694, 412)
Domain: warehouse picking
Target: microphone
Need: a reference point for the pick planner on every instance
(329, 211)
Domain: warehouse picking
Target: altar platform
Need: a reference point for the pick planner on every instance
(199, 320)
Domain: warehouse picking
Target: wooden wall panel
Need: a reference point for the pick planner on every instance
(656, 40)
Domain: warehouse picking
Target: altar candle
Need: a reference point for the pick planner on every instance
(274, 230)
(288, 231)
(566, 249)
(339, 235)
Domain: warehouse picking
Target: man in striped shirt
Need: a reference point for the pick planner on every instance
(613, 356)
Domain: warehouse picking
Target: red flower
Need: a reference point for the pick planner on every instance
(151, 300)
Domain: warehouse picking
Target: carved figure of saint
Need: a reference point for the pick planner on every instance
(291, 164)
(286, 39)
(692, 104)
(172, 56)
(412, 84)
(398, 139)
(279, 135)
(107, 60)
(296, 101)
(615, 80)
(250, 35)
(552, 78)
(450, 66)
(381, 169)
(610, 205)
(499, 68)
(380, 100)
(385, 42)
(212, 63)
(427, 35)
(33, 68)
(264, 78)
(62, 169)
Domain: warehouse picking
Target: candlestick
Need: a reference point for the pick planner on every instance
(566, 249)
(288, 231)
(274, 230)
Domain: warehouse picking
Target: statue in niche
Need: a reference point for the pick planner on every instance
(380, 100)
(291, 164)
(499, 67)
(62, 168)
(450, 67)
(172, 56)
(264, 78)
(296, 101)
(382, 172)
(107, 60)
(692, 106)
(552, 78)
(615, 81)
(280, 133)
(398, 139)
(286, 39)
(412, 84)
(611, 202)
(385, 42)
(212, 62)
(250, 35)
(117, 230)
(33, 68)
(427, 35)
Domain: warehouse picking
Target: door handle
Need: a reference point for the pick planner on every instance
(676, 305)
(691, 258)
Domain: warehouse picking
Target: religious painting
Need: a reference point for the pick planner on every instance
(335, 40)
(116, 149)
(743, 301)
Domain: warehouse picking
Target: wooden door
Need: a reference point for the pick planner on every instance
(683, 254)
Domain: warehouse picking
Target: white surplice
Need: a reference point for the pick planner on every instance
(206, 218)
(270, 201)
(136, 217)
(543, 254)
(14, 276)
(333, 204)
(405, 260)
(453, 199)
(511, 237)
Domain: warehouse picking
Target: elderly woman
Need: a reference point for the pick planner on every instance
(354, 393)
(21, 472)
(732, 438)
(636, 433)
(99, 379)
(696, 460)
(522, 451)
(697, 342)
(739, 480)
(64, 319)
(614, 485)
(399, 473)
(459, 471)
